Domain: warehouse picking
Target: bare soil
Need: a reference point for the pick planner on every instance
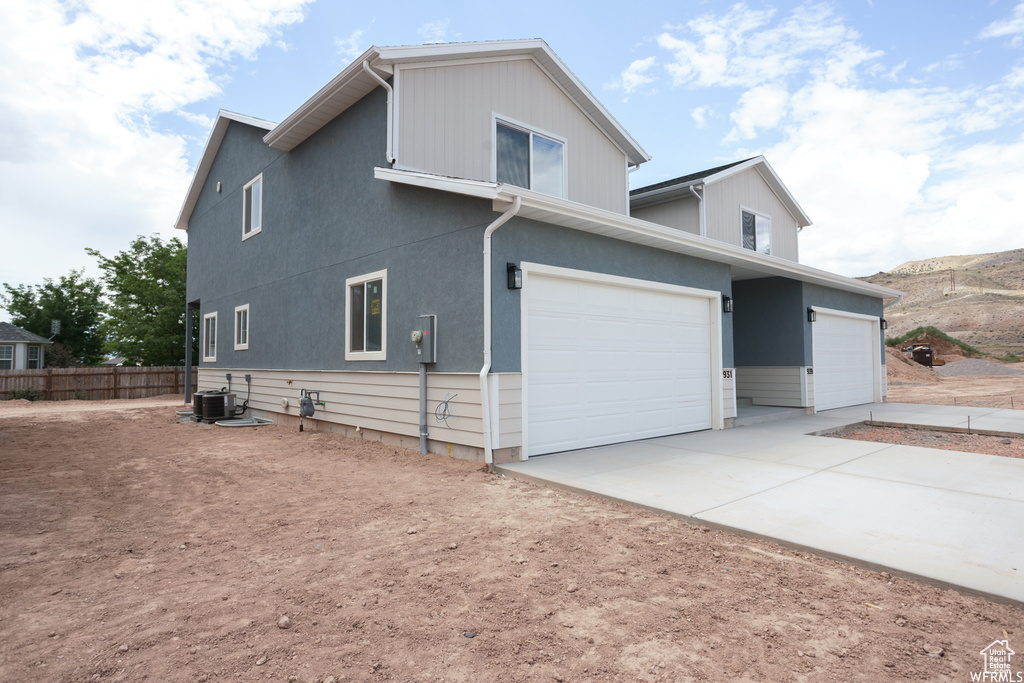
(1011, 447)
(134, 548)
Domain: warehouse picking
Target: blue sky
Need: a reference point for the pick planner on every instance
(897, 125)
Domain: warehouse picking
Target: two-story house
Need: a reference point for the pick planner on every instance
(483, 184)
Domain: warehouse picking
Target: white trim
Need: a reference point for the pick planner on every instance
(381, 275)
(876, 346)
(246, 209)
(205, 341)
(713, 297)
(220, 127)
(509, 122)
(762, 214)
(576, 216)
(11, 359)
(242, 346)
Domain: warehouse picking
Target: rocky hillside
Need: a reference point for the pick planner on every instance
(978, 299)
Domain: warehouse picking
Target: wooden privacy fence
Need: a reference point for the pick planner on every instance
(96, 383)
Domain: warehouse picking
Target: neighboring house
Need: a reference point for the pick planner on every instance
(115, 362)
(483, 184)
(20, 349)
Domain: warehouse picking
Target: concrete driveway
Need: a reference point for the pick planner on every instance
(948, 517)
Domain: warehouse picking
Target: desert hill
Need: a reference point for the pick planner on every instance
(979, 299)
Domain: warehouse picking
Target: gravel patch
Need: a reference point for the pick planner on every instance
(975, 367)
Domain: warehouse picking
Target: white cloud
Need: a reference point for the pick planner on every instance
(886, 172)
(1013, 26)
(635, 76)
(434, 31)
(700, 116)
(83, 162)
(351, 46)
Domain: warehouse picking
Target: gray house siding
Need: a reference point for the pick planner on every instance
(526, 240)
(770, 320)
(326, 219)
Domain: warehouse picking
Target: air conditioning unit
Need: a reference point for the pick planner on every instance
(217, 405)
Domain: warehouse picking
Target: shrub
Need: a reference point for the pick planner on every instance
(30, 394)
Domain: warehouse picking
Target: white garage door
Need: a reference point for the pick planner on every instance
(844, 366)
(606, 363)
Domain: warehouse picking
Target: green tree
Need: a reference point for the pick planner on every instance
(146, 311)
(74, 300)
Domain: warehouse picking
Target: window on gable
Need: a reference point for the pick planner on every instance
(210, 337)
(6, 357)
(33, 358)
(528, 159)
(252, 207)
(366, 317)
(757, 232)
(242, 328)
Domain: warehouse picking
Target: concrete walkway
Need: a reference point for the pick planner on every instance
(952, 518)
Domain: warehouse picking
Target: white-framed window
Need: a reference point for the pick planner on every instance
(755, 231)
(242, 327)
(6, 357)
(252, 207)
(528, 158)
(33, 358)
(210, 336)
(366, 319)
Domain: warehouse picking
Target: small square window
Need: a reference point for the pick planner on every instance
(252, 207)
(6, 357)
(242, 328)
(756, 231)
(366, 317)
(210, 337)
(529, 159)
(33, 358)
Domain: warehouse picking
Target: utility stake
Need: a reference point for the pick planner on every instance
(968, 424)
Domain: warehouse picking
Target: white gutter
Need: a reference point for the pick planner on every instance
(391, 108)
(486, 369)
(700, 210)
(899, 299)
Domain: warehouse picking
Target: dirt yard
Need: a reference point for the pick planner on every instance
(135, 548)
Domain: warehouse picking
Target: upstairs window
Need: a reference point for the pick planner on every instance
(242, 328)
(757, 232)
(366, 317)
(525, 158)
(210, 337)
(33, 358)
(6, 357)
(252, 207)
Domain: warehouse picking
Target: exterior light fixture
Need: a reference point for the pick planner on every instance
(727, 304)
(812, 315)
(884, 323)
(515, 276)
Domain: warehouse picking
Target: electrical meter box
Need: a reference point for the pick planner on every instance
(426, 348)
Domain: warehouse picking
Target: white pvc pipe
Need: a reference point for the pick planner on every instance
(391, 113)
(700, 211)
(486, 369)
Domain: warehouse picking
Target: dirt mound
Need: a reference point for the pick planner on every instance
(940, 346)
(976, 367)
(900, 368)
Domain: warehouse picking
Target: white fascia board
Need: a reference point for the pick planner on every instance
(281, 137)
(471, 188)
(585, 218)
(773, 181)
(663, 194)
(220, 128)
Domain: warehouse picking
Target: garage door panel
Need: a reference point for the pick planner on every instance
(607, 363)
(844, 361)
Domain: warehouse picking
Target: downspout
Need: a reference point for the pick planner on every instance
(484, 402)
(700, 210)
(898, 299)
(391, 108)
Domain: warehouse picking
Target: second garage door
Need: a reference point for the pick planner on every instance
(606, 363)
(844, 361)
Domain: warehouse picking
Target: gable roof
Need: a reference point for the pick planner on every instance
(11, 333)
(679, 187)
(354, 82)
(220, 128)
